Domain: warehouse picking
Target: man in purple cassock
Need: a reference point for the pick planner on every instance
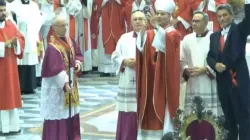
(56, 85)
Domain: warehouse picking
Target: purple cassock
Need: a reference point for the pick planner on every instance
(126, 126)
(56, 123)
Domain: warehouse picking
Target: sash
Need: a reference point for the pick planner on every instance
(65, 49)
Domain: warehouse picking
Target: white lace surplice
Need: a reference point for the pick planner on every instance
(52, 98)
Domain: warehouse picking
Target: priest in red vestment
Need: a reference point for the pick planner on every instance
(61, 52)
(111, 27)
(158, 73)
(182, 17)
(209, 7)
(11, 47)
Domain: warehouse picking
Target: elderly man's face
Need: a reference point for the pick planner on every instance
(138, 21)
(60, 27)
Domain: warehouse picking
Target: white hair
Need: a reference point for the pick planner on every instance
(56, 17)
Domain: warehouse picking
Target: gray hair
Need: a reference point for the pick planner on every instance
(227, 7)
(205, 15)
(140, 12)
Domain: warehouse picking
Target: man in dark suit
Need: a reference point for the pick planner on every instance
(227, 57)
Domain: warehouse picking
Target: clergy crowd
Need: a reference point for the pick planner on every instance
(159, 49)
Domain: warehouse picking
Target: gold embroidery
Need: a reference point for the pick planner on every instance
(64, 55)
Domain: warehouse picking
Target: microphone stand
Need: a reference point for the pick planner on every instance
(61, 4)
(70, 94)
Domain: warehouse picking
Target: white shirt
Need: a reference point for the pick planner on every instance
(225, 31)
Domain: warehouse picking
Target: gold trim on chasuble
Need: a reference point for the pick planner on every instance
(144, 60)
(111, 29)
(155, 63)
(60, 46)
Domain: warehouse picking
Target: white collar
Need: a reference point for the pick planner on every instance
(225, 30)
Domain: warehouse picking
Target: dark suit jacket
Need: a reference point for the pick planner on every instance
(233, 56)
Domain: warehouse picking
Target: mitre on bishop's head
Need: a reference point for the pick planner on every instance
(165, 5)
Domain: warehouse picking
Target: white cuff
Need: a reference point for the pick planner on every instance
(2, 49)
(104, 2)
(159, 40)
(211, 71)
(211, 6)
(118, 1)
(184, 22)
(74, 7)
(247, 1)
(17, 48)
(185, 67)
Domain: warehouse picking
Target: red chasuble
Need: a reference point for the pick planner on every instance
(185, 13)
(112, 25)
(94, 25)
(10, 94)
(158, 83)
(127, 10)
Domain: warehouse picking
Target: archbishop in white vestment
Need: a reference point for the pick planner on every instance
(124, 61)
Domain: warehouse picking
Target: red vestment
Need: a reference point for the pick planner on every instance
(96, 11)
(183, 11)
(127, 10)
(112, 25)
(158, 83)
(10, 94)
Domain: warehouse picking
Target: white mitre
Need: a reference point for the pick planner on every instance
(165, 5)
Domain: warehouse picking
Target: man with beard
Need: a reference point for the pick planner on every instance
(11, 47)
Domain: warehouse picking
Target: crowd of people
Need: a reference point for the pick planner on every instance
(153, 46)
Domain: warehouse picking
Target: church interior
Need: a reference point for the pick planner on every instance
(98, 115)
(98, 112)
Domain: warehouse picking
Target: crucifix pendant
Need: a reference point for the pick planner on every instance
(133, 80)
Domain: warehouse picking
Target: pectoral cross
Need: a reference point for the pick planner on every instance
(133, 80)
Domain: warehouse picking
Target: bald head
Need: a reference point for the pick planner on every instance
(138, 20)
(59, 24)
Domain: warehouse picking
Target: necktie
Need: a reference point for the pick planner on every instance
(222, 43)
